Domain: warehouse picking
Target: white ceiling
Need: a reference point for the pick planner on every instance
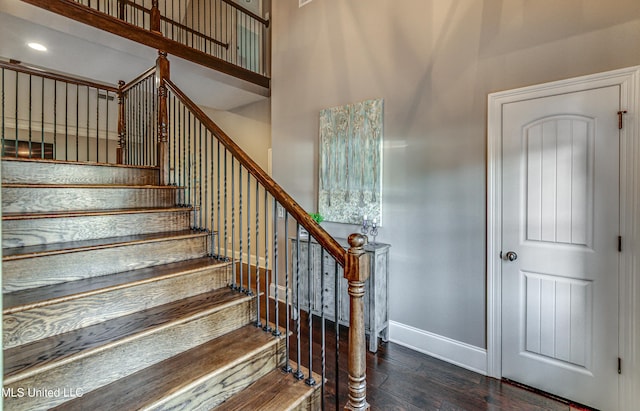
(80, 50)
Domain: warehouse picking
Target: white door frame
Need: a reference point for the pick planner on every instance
(629, 321)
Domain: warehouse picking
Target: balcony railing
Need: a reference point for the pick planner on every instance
(220, 34)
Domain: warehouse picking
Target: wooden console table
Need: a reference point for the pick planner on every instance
(376, 302)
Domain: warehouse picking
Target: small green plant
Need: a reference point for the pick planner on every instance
(317, 217)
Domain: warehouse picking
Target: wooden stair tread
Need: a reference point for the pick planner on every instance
(84, 213)
(75, 246)
(276, 391)
(101, 186)
(35, 297)
(86, 163)
(169, 376)
(30, 358)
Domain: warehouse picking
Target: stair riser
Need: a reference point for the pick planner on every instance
(126, 357)
(28, 232)
(41, 322)
(210, 392)
(48, 199)
(34, 172)
(20, 274)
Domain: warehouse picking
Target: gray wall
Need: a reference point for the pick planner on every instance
(433, 62)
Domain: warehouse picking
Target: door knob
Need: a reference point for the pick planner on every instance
(511, 256)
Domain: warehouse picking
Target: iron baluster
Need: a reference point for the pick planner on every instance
(233, 223)
(267, 282)
(298, 374)
(310, 380)
(249, 292)
(322, 327)
(218, 226)
(336, 294)
(276, 330)
(287, 366)
(87, 132)
(30, 110)
(258, 318)
(225, 207)
(240, 245)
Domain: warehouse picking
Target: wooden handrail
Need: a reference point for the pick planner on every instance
(248, 12)
(150, 72)
(56, 76)
(295, 210)
(175, 23)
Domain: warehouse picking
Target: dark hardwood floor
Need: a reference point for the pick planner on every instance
(399, 378)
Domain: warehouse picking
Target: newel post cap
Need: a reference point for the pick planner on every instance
(357, 262)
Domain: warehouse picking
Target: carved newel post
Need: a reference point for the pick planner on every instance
(356, 271)
(122, 125)
(162, 74)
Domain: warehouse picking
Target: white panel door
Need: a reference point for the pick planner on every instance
(561, 222)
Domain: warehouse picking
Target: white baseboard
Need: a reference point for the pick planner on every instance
(452, 351)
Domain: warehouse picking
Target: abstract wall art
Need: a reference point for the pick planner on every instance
(350, 186)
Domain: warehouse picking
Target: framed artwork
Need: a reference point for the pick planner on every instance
(350, 186)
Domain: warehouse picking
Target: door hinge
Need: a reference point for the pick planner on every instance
(620, 114)
(619, 365)
(619, 243)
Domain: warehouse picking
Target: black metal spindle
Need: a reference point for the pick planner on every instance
(191, 198)
(299, 375)
(336, 301)
(16, 114)
(97, 124)
(322, 326)
(3, 116)
(66, 115)
(218, 213)
(267, 282)
(310, 380)
(42, 153)
(248, 291)
(55, 118)
(233, 221)
(200, 188)
(78, 123)
(206, 204)
(106, 132)
(258, 317)
(183, 170)
(30, 110)
(240, 244)
(276, 320)
(87, 130)
(287, 365)
(225, 210)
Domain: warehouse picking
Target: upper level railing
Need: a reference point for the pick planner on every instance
(252, 220)
(52, 116)
(220, 34)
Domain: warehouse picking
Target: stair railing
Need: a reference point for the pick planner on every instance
(252, 220)
(257, 225)
(48, 115)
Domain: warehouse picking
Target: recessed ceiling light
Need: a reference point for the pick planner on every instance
(37, 46)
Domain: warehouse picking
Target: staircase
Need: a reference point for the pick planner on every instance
(111, 301)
